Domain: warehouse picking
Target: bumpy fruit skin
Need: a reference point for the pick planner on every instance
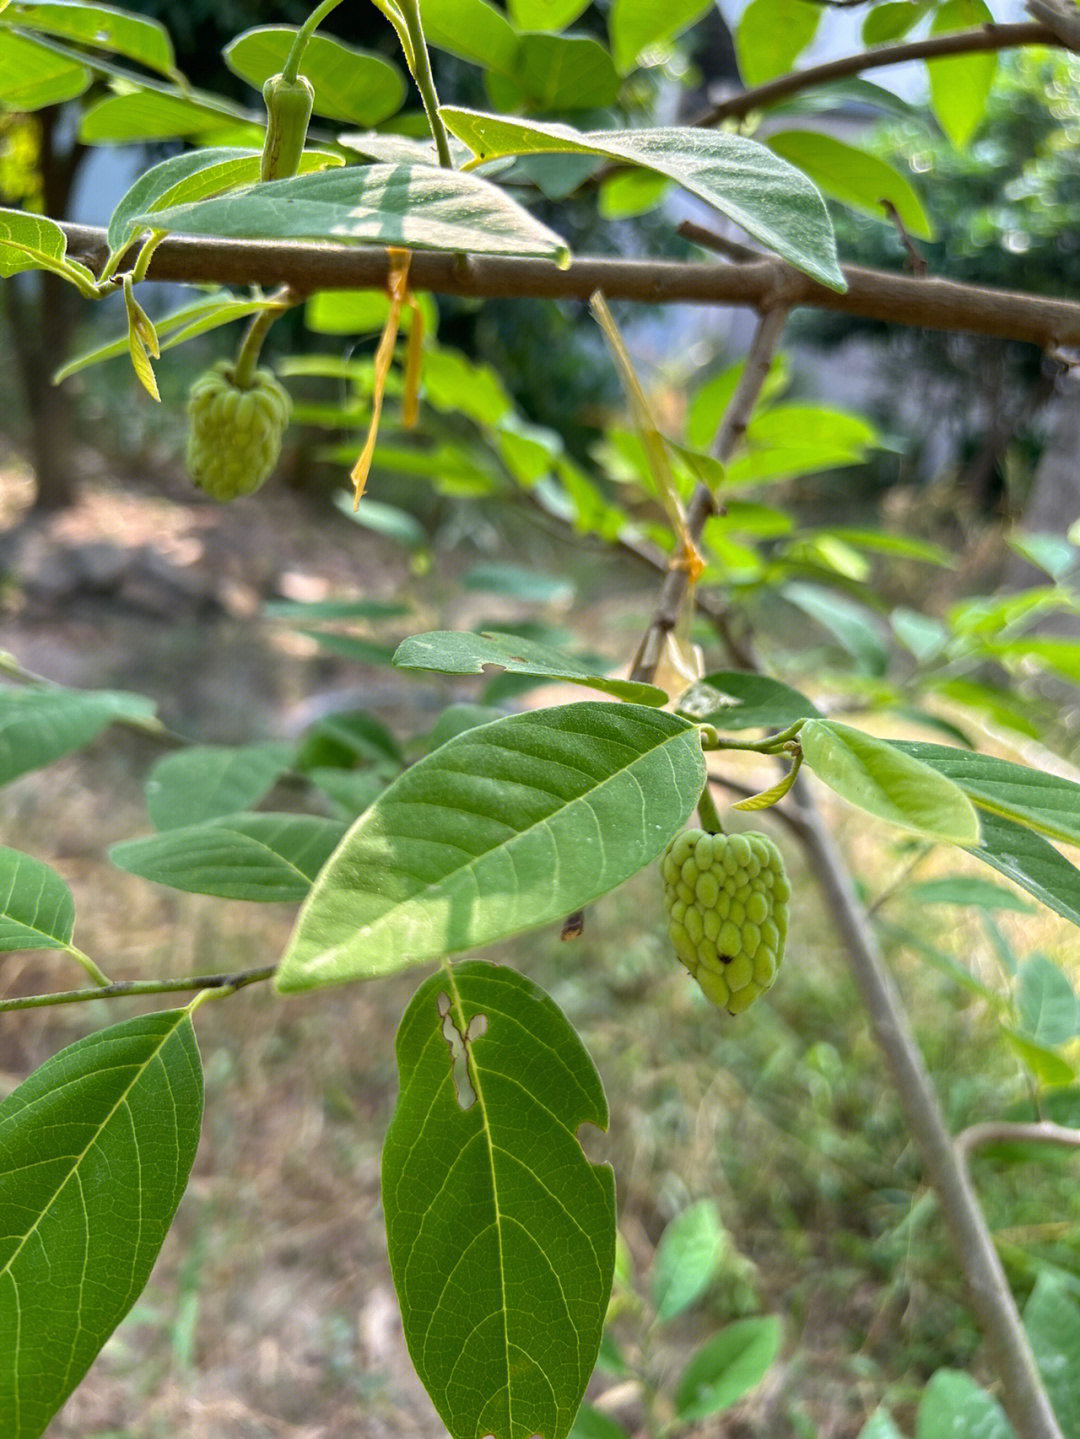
(727, 902)
(234, 435)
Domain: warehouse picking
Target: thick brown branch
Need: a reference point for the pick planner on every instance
(961, 42)
(872, 294)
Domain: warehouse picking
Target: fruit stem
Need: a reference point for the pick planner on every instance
(247, 357)
(708, 813)
(291, 69)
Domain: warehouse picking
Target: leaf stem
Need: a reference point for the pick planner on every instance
(425, 81)
(97, 975)
(291, 69)
(125, 988)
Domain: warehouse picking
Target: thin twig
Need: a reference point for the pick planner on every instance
(1001, 1132)
(872, 294)
(960, 42)
(916, 261)
(239, 980)
(702, 504)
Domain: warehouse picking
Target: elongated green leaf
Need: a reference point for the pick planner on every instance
(36, 907)
(546, 14)
(890, 21)
(102, 27)
(1031, 796)
(638, 25)
(1023, 856)
(556, 72)
(405, 204)
(1046, 1002)
(770, 199)
(351, 85)
(851, 624)
(853, 176)
(269, 857)
(95, 1151)
(501, 1234)
(955, 1407)
(880, 1424)
(39, 725)
(208, 782)
(311, 610)
(31, 242)
(195, 175)
(960, 86)
(1059, 655)
(1052, 1321)
(885, 781)
(454, 652)
(750, 701)
(727, 1367)
(771, 35)
(32, 76)
(1006, 710)
(687, 1259)
(1048, 1065)
(591, 1423)
(511, 825)
(967, 890)
(183, 324)
(345, 739)
(158, 114)
(799, 439)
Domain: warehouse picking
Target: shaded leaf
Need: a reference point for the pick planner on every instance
(456, 652)
(269, 857)
(95, 1151)
(851, 624)
(555, 72)
(770, 199)
(406, 204)
(1052, 1321)
(39, 725)
(514, 824)
(472, 30)
(36, 907)
(687, 1259)
(750, 701)
(206, 782)
(590, 1423)
(350, 85)
(1046, 1002)
(955, 1407)
(1023, 856)
(727, 1367)
(880, 1424)
(501, 1234)
(882, 779)
(966, 889)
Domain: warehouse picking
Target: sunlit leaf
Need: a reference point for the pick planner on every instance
(351, 85)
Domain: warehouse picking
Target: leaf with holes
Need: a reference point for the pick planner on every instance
(95, 1151)
(511, 825)
(501, 1234)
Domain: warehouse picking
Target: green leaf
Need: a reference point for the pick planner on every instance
(95, 1151)
(853, 176)
(799, 439)
(412, 205)
(590, 1423)
(311, 611)
(851, 624)
(885, 781)
(923, 635)
(750, 701)
(471, 29)
(39, 725)
(501, 1234)
(457, 719)
(1046, 1002)
(1003, 709)
(36, 907)
(955, 1407)
(195, 175)
(519, 583)
(880, 1424)
(32, 76)
(458, 385)
(31, 242)
(268, 857)
(350, 790)
(1058, 655)
(556, 72)
(770, 199)
(1027, 858)
(546, 14)
(455, 652)
(771, 35)
(350, 85)
(638, 25)
(207, 782)
(966, 889)
(509, 826)
(1032, 797)
(153, 114)
(687, 1259)
(1052, 1321)
(102, 27)
(960, 85)
(1047, 1065)
(892, 20)
(630, 192)
(727, 1367)
(347, 738)
(1049, 552)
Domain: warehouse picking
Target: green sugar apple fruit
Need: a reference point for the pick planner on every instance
(234, 435)
(727, 902)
